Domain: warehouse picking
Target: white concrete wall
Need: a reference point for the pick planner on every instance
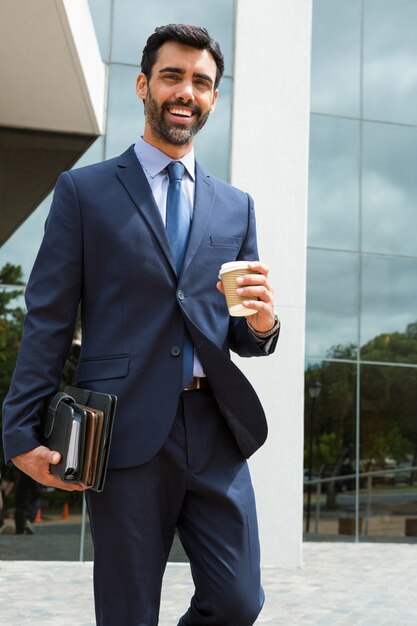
(270, 161)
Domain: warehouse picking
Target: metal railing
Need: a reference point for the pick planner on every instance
(357, 477)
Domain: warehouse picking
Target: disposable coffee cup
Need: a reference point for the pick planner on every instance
(228, 274)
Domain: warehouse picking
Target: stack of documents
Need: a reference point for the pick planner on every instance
(78, 424)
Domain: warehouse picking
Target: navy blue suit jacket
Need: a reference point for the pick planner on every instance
(105, 246)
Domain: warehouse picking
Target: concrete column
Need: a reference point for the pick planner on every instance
(270, 161)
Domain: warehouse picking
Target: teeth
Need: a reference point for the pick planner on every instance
(183, 112)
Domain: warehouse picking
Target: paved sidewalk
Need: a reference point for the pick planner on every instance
(340, 584)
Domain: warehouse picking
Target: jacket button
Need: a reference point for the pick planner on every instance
(175, 351)
(180, 294)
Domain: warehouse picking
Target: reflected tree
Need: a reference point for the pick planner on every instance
(388, 406)
(389, 399)
(335, 416)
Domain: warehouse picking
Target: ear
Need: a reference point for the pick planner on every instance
(214, 100)
(141, 86)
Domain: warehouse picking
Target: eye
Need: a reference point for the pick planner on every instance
(171, 77)
(204, 84)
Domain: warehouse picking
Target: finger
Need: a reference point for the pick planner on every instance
(263, 308)
(55, 457)
(253, 279)
(256, 292)
(259, 267)
(59, 484)
(219, 286)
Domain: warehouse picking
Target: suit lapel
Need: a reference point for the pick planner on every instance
(132, 177)
(203, 206)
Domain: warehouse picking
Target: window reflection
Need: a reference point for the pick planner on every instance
(332, 304)
(389, 309)
(389, 443)
(390, 59)
(330, 446)
(389, 189)
(333, 213)
(335, 71)
(133, 23)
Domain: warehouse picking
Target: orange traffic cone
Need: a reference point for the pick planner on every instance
(38, 516)
(65, 510)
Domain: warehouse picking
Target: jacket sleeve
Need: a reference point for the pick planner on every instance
(241, 339)
(52, 296)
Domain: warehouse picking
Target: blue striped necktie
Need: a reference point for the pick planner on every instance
(178, 223)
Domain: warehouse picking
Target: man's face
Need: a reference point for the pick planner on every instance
(179, 96)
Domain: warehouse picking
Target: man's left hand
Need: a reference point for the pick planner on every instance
(252, 286)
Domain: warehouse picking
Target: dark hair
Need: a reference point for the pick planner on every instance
(193, 36)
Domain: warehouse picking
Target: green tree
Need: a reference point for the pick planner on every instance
(11, 322)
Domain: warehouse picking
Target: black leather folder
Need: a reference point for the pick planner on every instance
(78, 424)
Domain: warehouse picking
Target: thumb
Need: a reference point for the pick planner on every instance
(54, 457)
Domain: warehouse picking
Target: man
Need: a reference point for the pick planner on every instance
(181, 435)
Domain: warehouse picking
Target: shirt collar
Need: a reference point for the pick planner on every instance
(154, 161)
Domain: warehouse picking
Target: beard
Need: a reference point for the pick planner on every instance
(173, 133)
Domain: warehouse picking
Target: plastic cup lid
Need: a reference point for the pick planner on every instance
(233, 265)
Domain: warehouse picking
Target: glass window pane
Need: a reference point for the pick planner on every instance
(332, 304)
(389, 310)
(330, 449)
(101, 13)
(335, 73)
(133, 23)
(390, 60)
(333, 217)
(388, 443)
(125, 118)
(22, 247)
(389, 189)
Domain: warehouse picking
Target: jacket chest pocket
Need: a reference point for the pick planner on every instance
(218, 241)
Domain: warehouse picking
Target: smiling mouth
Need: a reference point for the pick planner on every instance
(180, 112)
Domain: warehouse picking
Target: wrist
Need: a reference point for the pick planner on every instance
(268, 333)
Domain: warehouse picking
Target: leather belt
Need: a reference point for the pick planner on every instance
(197, 383)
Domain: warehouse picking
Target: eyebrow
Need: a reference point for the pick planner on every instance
(178, 70)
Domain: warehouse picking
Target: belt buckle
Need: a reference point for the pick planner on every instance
(194, 384)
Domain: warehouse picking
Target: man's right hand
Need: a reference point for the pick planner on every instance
(36, 463)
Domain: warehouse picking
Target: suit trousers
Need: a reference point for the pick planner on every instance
(198, 483)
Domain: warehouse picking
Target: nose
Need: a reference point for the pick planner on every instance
(185, 91)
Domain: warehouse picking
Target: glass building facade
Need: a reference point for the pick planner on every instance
(361, 328)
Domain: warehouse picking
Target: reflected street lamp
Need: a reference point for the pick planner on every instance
(314, 390)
